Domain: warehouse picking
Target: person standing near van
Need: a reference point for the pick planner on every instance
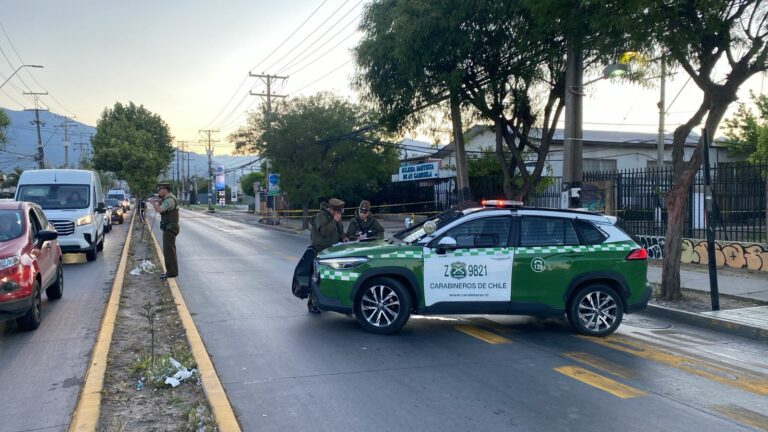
(169, 224)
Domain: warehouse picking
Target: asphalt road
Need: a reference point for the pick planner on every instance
(285, 370)
(41, 372)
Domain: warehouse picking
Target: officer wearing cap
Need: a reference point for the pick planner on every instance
(363, 225)
(169, 224)
(327, 230)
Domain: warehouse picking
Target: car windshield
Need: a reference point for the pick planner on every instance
(112, 202)
(56, 196)
(417, 232)
(10, 225)
(116, 197)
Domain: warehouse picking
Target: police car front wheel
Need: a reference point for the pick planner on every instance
(596, 310)
(383, 306)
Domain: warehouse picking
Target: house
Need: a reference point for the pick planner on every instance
(602, 150)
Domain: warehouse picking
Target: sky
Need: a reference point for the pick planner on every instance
(189, 62)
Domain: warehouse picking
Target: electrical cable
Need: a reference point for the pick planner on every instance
(325, 76)
(307, 37)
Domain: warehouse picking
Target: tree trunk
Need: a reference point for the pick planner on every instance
(716, 103)
(462, 177)
(304, 216)
(499, 129)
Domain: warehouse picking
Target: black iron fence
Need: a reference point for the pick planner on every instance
(636, 196)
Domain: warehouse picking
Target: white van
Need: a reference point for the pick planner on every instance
(121, 196)
(73, 201)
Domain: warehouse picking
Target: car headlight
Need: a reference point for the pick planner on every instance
(9, 262)
(343, 263)
(85, 220)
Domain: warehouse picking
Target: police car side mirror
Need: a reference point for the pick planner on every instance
(446, 243)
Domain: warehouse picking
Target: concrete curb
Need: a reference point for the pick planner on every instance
(707, 322)
(86, 414)
(226, 421)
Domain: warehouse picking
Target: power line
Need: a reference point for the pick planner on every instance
(298, 57)
(306, 37)
(326, 75)
(321, 56)
(245, 78)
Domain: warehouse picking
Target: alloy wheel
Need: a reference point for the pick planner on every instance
(380, 305)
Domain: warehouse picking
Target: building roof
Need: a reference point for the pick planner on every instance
(412, 149)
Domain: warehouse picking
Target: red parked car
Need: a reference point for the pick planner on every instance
(30, 262)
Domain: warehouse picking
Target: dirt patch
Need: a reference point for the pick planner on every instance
(699, 301)
(135, 395)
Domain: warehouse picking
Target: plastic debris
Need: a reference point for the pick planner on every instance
(145, 266)
(176, 365)
(172, 381)
(140, 384)
(181, 374)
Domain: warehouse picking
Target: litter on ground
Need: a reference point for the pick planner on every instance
(145, 266)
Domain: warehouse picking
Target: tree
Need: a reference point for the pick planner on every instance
(134, 143)
(4, 123)
(311, 142)
(403, 72)
(746, 132)
(246, 182)
(699, 35)
(12, 178)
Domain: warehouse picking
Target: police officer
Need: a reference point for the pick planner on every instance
(364, 225)
(327, 230)
(169, 224)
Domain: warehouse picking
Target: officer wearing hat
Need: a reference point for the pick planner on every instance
(169, 224)
(327, 230)
(364, 225)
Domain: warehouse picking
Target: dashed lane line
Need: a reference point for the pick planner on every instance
(483, 335)
(598, 381)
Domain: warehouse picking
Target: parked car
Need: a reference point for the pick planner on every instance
(30, 262)
(74, 203)
(117, 210)
(504, 259)
(108, 220)
(121, 196)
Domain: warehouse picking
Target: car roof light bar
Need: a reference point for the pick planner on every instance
(501, 203)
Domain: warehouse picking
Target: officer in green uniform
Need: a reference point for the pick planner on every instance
(327, 230)
(364, 225)
(169, 224)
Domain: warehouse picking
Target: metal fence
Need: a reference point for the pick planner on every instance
(636, 196)
(739, 191)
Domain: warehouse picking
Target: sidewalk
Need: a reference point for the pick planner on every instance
(749, 322)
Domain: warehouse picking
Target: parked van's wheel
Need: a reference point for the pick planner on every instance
(596, 310)
(31, 320)
(55, 291)
(90, 254)
(383, 306)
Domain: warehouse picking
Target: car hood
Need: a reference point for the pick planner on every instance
(364, 248)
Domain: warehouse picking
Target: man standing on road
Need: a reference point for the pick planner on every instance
(364, 225)
(169, 224)
(327, 230)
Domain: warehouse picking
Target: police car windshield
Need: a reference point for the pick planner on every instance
(417, 232)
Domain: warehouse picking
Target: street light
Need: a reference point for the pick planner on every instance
(572, 139)
(18, 69)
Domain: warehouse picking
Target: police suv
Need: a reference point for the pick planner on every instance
(498, 259)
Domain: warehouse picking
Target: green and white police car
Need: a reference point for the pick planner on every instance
(504, 259)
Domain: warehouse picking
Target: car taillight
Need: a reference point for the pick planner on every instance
(638, 254)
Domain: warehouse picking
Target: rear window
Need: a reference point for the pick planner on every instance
(590, 234)
(11, 226)
(56, 196)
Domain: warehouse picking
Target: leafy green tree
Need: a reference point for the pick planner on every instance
(246, 182)
(134, 143)
(747, 132)
(310, 144)
(698, 35)
(12, 178)
(4, 123)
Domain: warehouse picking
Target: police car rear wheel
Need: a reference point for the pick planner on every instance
(596, 311)
(384, 306)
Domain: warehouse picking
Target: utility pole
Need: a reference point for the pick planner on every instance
(209, 150)
(268, 79)
(83, 153)
(662, 112)
(65, 124)
(40, 153)
(572, 143)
